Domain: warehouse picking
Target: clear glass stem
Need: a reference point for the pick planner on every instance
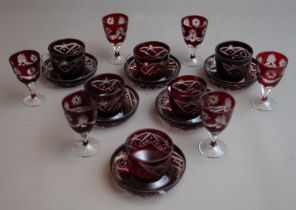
(192, 52)
(265, 92)
(116, 49)
(213, 140)
(32, 89)
(84, 137)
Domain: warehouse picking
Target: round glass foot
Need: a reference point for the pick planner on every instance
(116, 60)
(86, 150)
(36, 101)
(266, 105)
(197, 61)
(210, 150)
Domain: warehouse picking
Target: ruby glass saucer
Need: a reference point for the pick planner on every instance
(165, 111)
(53, 76)
(211, 72)
(130, 105)
(123, 177)
(130, 69)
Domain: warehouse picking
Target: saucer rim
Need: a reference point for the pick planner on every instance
(71, 82)
(152, 83)
(125, 117)
(170, 184)
(223, 83)
(172, 122)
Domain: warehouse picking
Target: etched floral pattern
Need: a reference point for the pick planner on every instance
(217, 107)
(282, 63)
(213, 99)
(115, 26)
(271, 67)
(83, 121)
(76, 100)
(193, 36)
(33, 58)
(67, 105)
(270, 61)
(121, 20)
(194, 30)
(22, 60)
(110, 21)
(221, 121)
(186, 22)
(271, 74)
(195, 22)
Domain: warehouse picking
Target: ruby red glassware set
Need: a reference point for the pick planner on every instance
(149, 161)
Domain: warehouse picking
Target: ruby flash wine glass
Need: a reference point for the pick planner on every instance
(217, 107)
(194, 28)
(271, 67)
(81, 113)
(115, 27)
(26, 66)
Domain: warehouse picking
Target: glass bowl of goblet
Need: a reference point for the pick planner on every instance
(81, 113)
(271, 66)
(115, 27)
(26, 66)
(194, 29)
(217, 108)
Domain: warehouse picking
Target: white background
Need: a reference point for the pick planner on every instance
(38, 169)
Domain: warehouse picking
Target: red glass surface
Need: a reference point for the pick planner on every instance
(67, 57)
(149, 153)
(80, 111)
(152, 59)
(184, 95)
(271, 67)
(26, 65)
(115, 27)
(217, 108)
(108, 91)
(194, 28)
(233, 60)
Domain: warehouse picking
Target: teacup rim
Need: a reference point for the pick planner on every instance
(157, 130)
(91, 90)
(251, 51)
(151, 59)
(199, 79)
(52, 52)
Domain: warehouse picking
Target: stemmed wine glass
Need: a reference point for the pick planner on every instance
(81, 113)
(26, 66)
(115, 27)
(271, 67)
(193, 29)
(217, 107)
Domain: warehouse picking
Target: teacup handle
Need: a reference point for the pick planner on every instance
(213, 65)
(122, 168)
(45, 62)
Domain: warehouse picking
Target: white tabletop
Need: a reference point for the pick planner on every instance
(38, 168)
